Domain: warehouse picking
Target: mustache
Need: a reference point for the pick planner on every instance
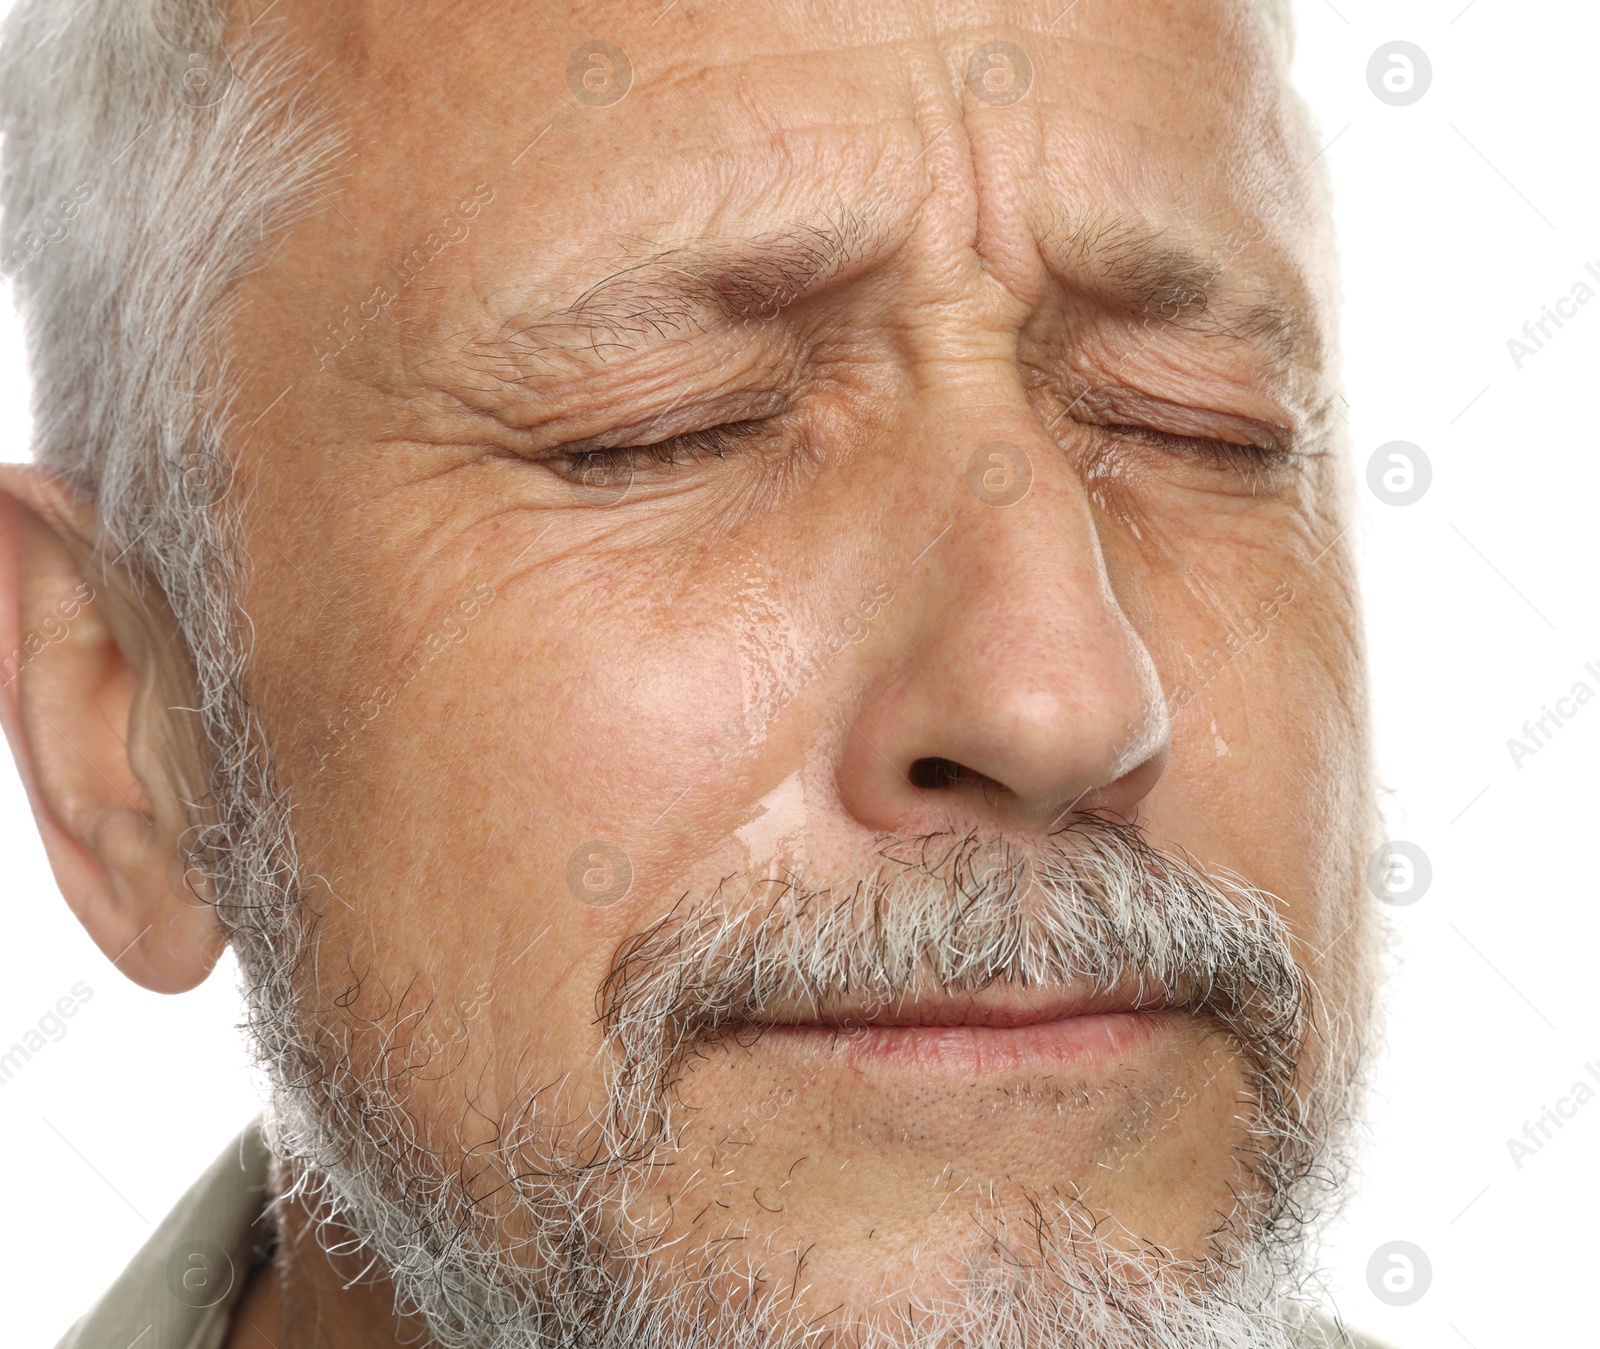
(1097, 909)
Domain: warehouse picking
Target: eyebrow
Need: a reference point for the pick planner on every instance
(660, 294)
(654, 295)
(1148, 274)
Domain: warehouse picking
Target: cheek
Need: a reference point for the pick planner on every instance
(561, 721)
(647, 694)
(1269, 771)
(536, 793)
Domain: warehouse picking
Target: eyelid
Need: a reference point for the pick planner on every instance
(1113, 408)
(715, 441)
(711, 440)
(1237, 433)
(678, 420)
(704, 437)
(1215, 447)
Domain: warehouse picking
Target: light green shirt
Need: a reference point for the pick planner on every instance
(179, 1291)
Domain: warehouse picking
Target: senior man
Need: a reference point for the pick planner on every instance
(740, 614)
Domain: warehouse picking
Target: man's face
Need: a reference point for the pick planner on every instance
(882, 440)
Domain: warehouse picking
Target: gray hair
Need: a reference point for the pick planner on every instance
(1098, 906)
(144, 174)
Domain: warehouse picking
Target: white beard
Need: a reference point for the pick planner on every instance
(1035, 1276)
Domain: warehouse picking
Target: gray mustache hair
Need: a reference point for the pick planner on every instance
(1098, 909)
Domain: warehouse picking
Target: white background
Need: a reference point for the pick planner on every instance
(1460, 217)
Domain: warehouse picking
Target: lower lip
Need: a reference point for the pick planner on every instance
(1095, 1042)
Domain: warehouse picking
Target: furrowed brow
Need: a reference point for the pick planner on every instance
(668, 292)
(1151, 277)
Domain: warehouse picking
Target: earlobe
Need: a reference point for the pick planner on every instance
(90, 672)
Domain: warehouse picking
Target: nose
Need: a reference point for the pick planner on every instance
(1011, 689)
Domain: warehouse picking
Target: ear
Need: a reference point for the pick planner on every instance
(93, 677)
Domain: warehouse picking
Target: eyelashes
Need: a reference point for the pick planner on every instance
(1250, 462)
(607, 462)
(1235, 456)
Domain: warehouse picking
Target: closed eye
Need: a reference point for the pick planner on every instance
(1241, 457)
(612, 462)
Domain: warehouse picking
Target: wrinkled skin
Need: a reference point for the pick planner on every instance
(643, 667)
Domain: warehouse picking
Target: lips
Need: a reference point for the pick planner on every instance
(983, 1034)
(998, 1007)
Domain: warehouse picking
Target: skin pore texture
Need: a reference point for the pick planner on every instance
(693, 838)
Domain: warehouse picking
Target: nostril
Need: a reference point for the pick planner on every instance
(933, 774)
(942, 774)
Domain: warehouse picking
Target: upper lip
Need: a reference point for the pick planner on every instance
(1001, 1008)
